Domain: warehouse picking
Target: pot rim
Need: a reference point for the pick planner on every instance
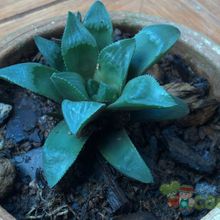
(201, 47)
(202, 52)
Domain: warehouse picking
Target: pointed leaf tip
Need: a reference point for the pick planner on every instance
(32, 76)
(98, 22)
(51, 52)
(152, 42)
(79, 48)
(59, 152)
(143, 92)
(97, 17)
(78, 114)
(117, 148)
(79, 16)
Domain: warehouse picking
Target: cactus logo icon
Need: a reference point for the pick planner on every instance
(179, 196)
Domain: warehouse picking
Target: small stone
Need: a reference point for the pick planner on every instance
(28, 163)
(7, 176)
(206, 189)
(5, 109)
(23, 120)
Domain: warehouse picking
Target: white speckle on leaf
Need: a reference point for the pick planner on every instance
(119, 139)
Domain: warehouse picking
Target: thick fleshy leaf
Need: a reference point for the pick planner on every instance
(32, 76)
(143, 92)
(98, 22)
(152, 42)
(79, 48)
(70, 86)
(78, 114)
(113, 63)
(118, 150)
(51, 52)
(60, 152)
(101, 92)
(180, 110)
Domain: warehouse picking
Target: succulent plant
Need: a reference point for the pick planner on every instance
(98, 80)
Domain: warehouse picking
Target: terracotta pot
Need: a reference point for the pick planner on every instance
(201, 52)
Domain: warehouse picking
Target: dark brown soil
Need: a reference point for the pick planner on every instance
(185, 150)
